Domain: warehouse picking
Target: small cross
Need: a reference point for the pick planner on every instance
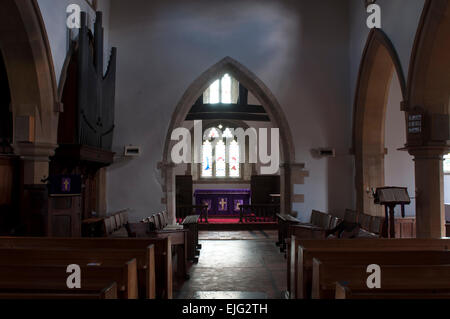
(222, 203)
(66, 185)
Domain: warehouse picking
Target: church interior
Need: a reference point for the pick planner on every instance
(206, 149)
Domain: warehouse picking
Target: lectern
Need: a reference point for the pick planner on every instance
(391, 197)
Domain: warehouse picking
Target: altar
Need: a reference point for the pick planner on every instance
(222, 202)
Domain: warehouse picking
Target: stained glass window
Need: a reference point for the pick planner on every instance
(220, 159)
(234, 159)
(447, 164)
(214, 92)
(207, 166)
(213, 133)
(227, 133)
(226, 89)
(223, 90)
(221, 170)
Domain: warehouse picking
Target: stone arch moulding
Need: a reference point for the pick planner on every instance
(429, 70)
(378, 63)
(267, 100)
(429, 91)
(29, 65)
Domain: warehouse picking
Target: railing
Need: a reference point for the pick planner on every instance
(259, 213)
(186, 210)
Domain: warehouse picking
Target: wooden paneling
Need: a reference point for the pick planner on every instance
(6, 126)
(184, 190)
(405, 227)
(9, 193)
(262, 186)
(64, 216)
(8, 174)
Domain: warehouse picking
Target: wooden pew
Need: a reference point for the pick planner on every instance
(365, 257)
(48, 255)
(54, 276)
(401, 277)
(284, 222)
(301, 253)
(345, 292)
(163, 252)
(190, 223)
(108, 292)
(179, 239)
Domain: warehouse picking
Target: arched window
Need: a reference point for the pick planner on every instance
(207, 166)
(447, 164)
(224, 149)
(224, 90)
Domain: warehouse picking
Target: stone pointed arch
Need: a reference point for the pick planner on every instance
(29, 65)
(378, 63)
(429, 70)
(267, 100)
(429, 90)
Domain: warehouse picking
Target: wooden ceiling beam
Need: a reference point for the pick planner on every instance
(227, 108)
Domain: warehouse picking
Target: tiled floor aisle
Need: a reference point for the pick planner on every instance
(247, 265)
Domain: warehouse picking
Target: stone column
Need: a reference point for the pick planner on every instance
(372, 177)
(429, 177)
(169, 189)
(35, 159)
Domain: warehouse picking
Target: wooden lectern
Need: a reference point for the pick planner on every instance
(391, 197)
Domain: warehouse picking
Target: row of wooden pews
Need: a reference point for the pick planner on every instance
(157, 226)
(325, 269)
(159, 223)
(110, 267)
(321, 226)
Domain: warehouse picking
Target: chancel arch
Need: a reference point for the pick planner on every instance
(379, 62)
(271, 106)
(428, 93)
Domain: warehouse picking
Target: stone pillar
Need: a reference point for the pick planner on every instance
(291, 174)
(169, 189)
(35, 159)
(429, 177)
(372, 178)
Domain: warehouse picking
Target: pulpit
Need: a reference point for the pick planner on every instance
(222, 202)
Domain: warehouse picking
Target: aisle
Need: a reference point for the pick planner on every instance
(237, 268)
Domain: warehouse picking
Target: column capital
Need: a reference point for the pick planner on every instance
(165, 165)
(35, 151)
(428, 151)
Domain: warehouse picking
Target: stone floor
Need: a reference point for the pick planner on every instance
(238, 263)
(236, 235)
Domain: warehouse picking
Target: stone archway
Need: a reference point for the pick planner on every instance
(378, 63)
(429, 90)
(34, 102)
(29, 66)
(267, 100)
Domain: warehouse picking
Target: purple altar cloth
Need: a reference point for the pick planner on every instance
(222, 202)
